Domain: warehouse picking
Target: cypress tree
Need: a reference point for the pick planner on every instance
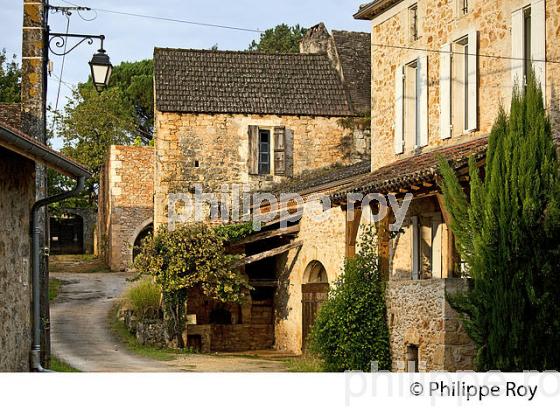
(508, 233)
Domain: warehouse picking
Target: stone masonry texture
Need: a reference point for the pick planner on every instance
(126, 202)
(17, 192)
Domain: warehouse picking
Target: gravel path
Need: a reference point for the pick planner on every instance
(81, 335)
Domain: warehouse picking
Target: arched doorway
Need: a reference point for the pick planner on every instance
(314, 290)
(66, 234)
(144, 233)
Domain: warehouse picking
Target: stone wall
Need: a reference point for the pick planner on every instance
(17, 192)
(419, 315)
(439, 24)
(125, 202)
(213, 150)
(323, 242)
(11, 114)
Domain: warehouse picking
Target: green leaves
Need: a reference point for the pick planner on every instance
(10, 79)
(508, 232)
(351, 328)
(280, 39)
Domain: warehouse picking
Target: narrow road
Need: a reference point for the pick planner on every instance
(81, 334)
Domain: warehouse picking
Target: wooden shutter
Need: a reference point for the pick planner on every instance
(415, 226)
(517, 48)
(437, 230)
(289, 150)
(422, 101)
(399, 110)
(280, 151)
(445, 91)
(253, 154)
(472, 79)
(538, 41)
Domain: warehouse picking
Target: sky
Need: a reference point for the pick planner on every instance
(132, 38)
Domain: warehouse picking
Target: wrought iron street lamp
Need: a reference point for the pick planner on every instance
(101, 70)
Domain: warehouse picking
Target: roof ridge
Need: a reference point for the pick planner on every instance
(243, 52)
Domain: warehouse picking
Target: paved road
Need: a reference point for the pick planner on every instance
(81, 335)
(80, 330)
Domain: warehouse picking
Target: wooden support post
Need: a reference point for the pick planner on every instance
(352, 228)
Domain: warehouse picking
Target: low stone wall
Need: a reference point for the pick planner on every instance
(420, 316)
(239, 338)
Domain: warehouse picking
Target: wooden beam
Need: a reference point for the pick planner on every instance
(352, 232)
(261, 236)
(270, 253)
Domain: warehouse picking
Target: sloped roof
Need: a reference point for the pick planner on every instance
(354, 52)
(11, 114)
(207, 81)
(369, 10)
(415, 169)
(322, 178)
(16, 141)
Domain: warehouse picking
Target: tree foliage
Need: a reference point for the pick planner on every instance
(351, 328)
(10, 79)
(123, 114)
(280, 39)
(508, 232)
(190, 256)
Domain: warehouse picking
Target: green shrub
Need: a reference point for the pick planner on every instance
(144, 299)
(351, 328)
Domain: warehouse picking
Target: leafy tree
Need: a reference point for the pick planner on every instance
(10, 79)
(351, 328)
(280, 39)
(508, 232)
(92, 122)
(191, 256)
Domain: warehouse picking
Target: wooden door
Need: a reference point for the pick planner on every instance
(313, 296)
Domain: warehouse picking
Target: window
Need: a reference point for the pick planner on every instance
(459, 86)
(413, 22)
(264, 152)
(528, 43)
(411, 105)
(412, 359)
(270, 151)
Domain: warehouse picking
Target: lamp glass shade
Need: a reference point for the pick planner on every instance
(101, 70)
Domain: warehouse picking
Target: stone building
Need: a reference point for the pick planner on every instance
(440, 73)
(263, 121)
(126, 204)
(248, 118)
(19, 154)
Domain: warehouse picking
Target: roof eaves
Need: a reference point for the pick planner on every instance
(23, 144)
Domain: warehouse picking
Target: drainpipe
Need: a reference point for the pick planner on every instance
(36, 259)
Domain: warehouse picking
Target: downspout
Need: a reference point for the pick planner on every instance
(36, 231)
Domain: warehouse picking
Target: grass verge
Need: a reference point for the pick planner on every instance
(54, 288)
(307, 363)
(129, 341)
(60, 366)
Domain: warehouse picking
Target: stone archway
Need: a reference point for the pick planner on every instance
(144, 230)
(314, 291)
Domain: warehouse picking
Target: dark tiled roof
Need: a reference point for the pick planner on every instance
(354, 52)
(201, 81)
(369, 10)
(10, 114)
(416, 169)
(322, 179)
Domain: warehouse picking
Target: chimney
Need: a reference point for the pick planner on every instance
(318, 40)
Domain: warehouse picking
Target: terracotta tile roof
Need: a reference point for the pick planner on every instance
(202, 81)
(322, 179)
(354, 52)
(412, 170)
(11, 114)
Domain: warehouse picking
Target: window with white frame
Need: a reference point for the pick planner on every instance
(528, 43)
(411, 105)
(459, 86)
